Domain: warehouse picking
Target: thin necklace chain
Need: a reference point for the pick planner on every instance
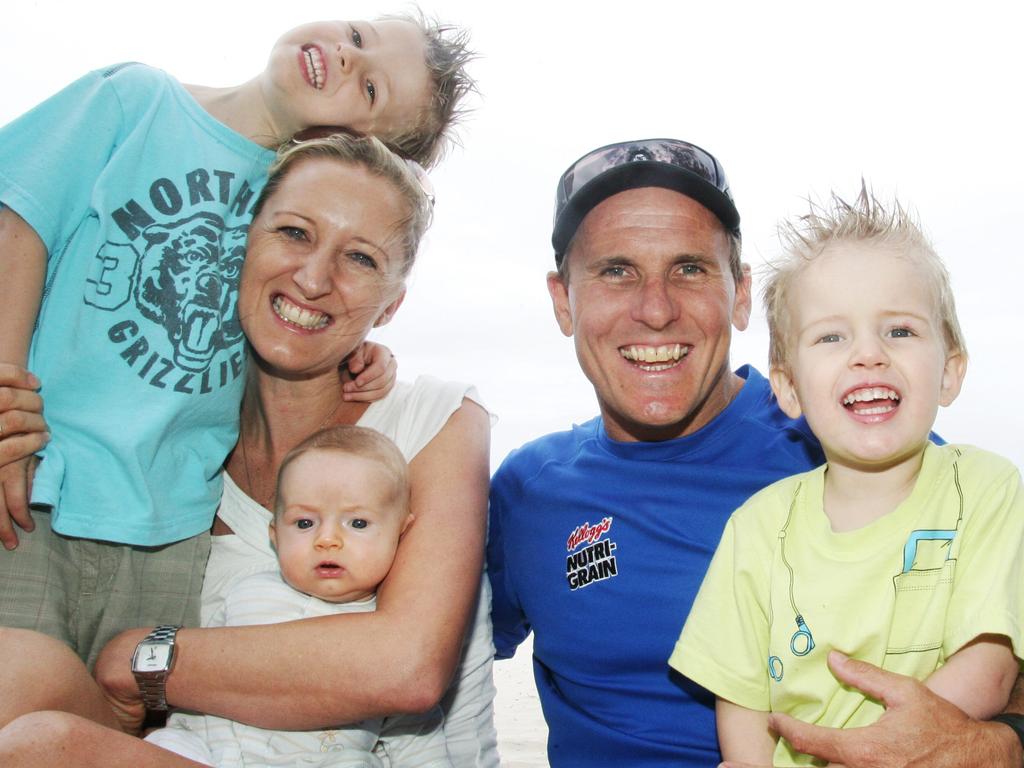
(273, 488)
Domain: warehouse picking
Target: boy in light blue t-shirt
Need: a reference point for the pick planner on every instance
(124, 205)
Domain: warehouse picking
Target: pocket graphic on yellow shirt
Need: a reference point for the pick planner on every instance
(919, 613)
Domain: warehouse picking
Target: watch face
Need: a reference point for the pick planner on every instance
(152, 657)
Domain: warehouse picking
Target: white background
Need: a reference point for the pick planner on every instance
(795, 98)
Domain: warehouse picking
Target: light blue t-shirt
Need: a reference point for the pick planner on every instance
(142, 200)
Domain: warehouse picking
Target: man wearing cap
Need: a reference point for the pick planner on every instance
(600, 536)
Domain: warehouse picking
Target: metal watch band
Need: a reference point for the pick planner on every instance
(164, 632)
(1015, 721)
(153, 686)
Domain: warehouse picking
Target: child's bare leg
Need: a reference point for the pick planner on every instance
(41, 673)
(45, 739)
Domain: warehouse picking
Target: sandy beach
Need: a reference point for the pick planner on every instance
(522, 734)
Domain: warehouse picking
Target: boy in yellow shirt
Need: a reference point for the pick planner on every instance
(896, 551)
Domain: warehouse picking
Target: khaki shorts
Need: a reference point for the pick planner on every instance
(84, 592)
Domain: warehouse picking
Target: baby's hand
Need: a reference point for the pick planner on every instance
(373, 368)
(22, 432)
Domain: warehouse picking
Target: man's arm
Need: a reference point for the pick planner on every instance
(510, 625)
(400, 658)
(23, 266)
(919, 729)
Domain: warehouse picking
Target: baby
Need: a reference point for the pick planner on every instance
(342, 505)
(897, 551)
(128, 196)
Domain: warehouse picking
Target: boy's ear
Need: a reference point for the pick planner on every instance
(273, 535)
(953, 373)
(408, 521)
(785, 392)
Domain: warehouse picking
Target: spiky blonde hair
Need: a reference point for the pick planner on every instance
(866, 220)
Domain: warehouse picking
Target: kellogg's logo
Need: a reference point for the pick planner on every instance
(595, 562)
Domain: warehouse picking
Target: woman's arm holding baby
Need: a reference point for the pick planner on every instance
(336, 669)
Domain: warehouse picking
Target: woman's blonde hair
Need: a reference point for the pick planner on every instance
(375, 157)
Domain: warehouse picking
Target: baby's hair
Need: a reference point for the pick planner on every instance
(866, 220)
(447, 55)
(354, 441)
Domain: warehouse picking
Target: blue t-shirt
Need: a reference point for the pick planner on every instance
(142, 200)
(599, 548)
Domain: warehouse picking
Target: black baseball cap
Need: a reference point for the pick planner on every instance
(668, 163)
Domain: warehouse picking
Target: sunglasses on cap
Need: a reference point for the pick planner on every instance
(669, 163)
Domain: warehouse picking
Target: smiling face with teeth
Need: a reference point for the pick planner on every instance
(650, 302)
(338, 523)
(369, 77)
(867, 358)
(324, 265)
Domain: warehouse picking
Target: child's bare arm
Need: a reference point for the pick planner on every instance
(23, 265)
(743, 734)
(979, 677)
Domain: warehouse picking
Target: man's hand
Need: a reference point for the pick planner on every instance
(113, 672)
(918, 730)
(22, 433)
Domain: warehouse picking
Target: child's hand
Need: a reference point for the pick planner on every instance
(22, 432)
(373, 368)
(15, 492)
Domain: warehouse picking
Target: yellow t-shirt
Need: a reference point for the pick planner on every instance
(905, 592)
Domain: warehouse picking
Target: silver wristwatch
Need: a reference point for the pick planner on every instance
(152, 663)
